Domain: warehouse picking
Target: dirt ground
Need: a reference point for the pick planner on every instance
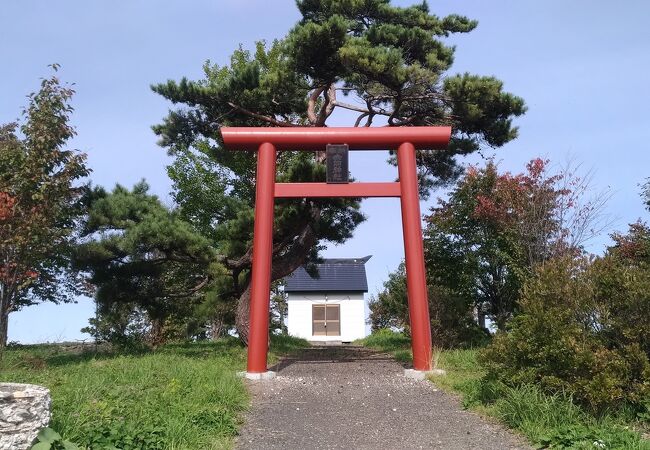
(349, 397)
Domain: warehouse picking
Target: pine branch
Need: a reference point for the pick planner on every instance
(360, 118)
(268, 119)
(351, 107)
(311, 105)
(328, 105)
(192, 291)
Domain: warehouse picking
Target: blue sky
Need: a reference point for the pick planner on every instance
(582, 67)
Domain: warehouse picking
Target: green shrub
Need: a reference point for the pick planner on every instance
(48, 439)
(125, 436)
(584, 330)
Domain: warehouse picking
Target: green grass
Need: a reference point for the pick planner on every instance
(547, 421)
(181, 396)
(386, 340)
(282, 344)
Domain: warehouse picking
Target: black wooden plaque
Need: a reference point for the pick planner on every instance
(337, 163)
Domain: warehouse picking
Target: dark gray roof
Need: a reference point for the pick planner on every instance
(343, 274)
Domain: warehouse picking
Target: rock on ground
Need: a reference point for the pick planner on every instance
(24, 410)
(351, 397)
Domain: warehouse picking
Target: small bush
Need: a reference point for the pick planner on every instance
(125, 436)
(584, 331)
(48, 439)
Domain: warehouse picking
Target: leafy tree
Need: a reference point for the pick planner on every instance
(389, 308)
(486, 239)
(474, 239)
(584, 328)
(214, 316)
(40, 202)
(495, 229)
(452, 323)
(390, 61)
(279, 309)
(142, 259)
(633, 248)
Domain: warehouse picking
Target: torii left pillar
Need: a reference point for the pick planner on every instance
(258, 334)
(406, 141)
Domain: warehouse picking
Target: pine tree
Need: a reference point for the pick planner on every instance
(144, 261)
(389, 63)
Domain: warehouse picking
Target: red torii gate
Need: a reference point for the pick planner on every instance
(267, 141)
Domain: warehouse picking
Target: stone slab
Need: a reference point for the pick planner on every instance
(24, 410)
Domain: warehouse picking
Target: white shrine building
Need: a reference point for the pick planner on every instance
(330, 307)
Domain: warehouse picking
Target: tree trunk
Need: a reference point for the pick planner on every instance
(4, 317)
(4, 322)
(501, 321)
(242, 315)
(216, 328)
(480, 316)
(289, 262)
(156, 337)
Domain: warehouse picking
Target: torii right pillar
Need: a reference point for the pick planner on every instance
(416, 282)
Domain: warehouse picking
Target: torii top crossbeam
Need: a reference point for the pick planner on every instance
(312, 138)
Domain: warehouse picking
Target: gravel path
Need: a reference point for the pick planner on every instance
(350, 397)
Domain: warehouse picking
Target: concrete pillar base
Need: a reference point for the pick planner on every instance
(257, 376)
(422, 374)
